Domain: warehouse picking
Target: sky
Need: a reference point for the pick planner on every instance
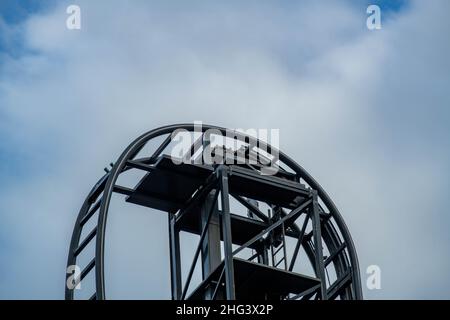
(365, 112)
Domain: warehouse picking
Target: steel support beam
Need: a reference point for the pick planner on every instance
(211, 256)
(317, 234)
(175, 266)
(299, 243)
(290, 217)
(199, 246)
(226, 231)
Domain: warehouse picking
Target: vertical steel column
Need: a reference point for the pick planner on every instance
(226, 231)
(317, 233)
(211, 256)
(175, 267)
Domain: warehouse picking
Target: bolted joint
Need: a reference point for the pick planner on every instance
(221, 171)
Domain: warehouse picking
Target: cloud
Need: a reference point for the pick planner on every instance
(364, 112)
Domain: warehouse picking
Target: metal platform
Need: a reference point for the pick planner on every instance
(242, 228)
(258, 281)
(168, 186)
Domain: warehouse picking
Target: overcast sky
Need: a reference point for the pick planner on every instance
(365, 112)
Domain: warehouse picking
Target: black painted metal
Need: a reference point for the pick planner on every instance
(175, 268)
(328, 227)
(199, 246)
(226, 230)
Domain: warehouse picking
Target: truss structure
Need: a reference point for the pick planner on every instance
(255, 255)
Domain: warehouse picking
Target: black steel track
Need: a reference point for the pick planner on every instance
(334, 232)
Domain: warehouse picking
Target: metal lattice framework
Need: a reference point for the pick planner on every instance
(260, 249)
